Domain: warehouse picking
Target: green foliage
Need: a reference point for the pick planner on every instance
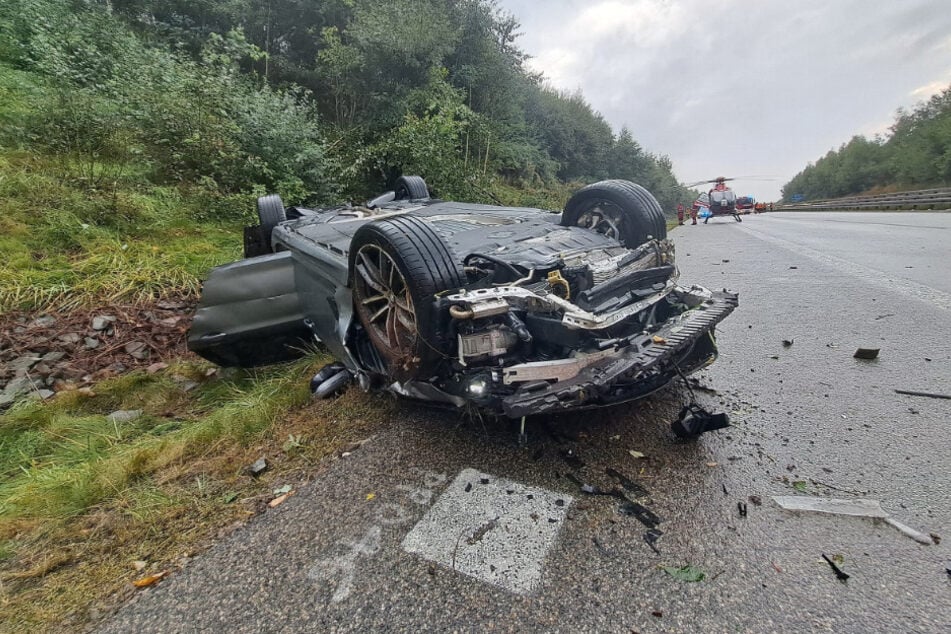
(916, 154)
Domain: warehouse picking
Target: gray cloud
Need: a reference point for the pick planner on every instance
(741, 88)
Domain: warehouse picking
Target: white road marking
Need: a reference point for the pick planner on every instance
(344, 567)
(491, 529)
(914, 289)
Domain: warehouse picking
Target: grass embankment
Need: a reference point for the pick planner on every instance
(89, 504)
(82, 496)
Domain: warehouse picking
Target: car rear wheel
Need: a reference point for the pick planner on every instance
(270, 214)
(411, 188)
(619, 209)
(397, 265)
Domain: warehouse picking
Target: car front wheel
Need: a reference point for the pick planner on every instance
(397, 266)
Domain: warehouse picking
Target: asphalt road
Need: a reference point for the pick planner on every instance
(441, 525)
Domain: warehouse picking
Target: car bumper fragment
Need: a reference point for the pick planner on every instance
(634, 371)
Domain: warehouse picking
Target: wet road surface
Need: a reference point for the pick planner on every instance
(405, 534)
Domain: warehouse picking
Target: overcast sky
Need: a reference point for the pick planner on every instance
(741, 87)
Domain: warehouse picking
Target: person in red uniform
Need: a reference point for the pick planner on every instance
(680, 213)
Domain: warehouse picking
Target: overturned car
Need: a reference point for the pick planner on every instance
(515, 311)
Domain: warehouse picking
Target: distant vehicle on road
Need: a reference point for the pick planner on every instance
(745, 204)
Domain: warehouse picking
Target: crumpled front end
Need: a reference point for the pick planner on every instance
(597, 328)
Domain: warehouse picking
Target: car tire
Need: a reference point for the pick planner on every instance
(637, 214)
(411, 188)
(648, 202)
(270, 213)
(397, 266)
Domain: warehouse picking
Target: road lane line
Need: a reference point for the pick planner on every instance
(491, 529)
(922, 292)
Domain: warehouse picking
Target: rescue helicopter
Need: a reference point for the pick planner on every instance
(720, 200)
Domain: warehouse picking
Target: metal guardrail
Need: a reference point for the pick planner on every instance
(899, 201)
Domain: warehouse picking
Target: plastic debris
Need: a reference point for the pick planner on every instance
(788, 342)
(641, 512)
(866, 353)
(694, 420)
(636, 454)
(925, 394)
(260, 466)
(856, 508)
(651, 537)
(841, 576)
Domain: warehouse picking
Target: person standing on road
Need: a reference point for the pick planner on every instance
(680, 213)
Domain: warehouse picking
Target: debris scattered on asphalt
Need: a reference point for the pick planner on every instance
(794, 267)
(651, 537)
(756, 500)
(145, 582)
(468, 487)
(694, 420)
(925, 394)
(480, 532)
(936, 538)
(884, 316)
(841, 576)
(260, 466)
(627, 483)
(866, 353)
(639, 511)
(282, 490)
(600, 546)
(687, 572)
(855, 508)
(776, 567)
(741, 507)
(723, 486)
(657, 613)
(283, 498)
(788, 342)
(139, 565)
(712, 464)
(636, 454)
(370, 496)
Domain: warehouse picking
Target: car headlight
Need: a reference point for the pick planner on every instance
(478, 387)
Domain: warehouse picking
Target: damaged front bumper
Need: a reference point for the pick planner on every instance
(635, 367)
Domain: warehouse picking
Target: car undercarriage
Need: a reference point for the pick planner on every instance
(513, 311)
